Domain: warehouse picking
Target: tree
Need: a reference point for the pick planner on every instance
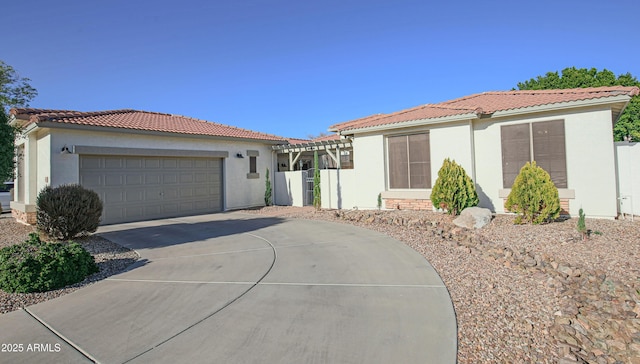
(629, 122)
(317, 201)
(15, 91)
(267, 191)
(454, 190)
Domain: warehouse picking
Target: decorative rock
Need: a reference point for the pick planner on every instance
(473, 217)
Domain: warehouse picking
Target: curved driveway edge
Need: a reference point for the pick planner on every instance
(241, 288)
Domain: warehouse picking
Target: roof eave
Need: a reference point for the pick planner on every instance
(56, 125)
(411, 123)
(608, 100)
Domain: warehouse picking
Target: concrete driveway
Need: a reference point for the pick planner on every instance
(239, 288)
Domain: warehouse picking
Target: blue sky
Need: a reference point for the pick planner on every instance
(293, 68)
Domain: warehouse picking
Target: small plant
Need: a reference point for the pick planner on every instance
(533, 196)
(37, 266)
(317, 201)
(379, 201)
(582, 226)
(67, 211)
(267, 191)
(454, 190)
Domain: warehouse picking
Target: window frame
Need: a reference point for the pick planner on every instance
(407, 183)
(559, 178)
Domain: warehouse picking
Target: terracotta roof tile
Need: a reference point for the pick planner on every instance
(487, 103)
(140, 120)
(326, 138)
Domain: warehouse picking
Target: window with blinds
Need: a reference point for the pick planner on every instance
(409, 161)
(543, 142)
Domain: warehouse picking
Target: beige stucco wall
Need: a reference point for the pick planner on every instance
(590, 160)
(288, 188)
(369, 171)
(49, 163)
(336, 187)
(454, 141)
(628, 171)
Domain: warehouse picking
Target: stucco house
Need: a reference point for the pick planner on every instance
(147, 165)
(144, 165)
(492, 135)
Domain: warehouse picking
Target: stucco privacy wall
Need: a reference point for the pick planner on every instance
(288, 188)
(589, 156)
(64, 168)
(628, 170)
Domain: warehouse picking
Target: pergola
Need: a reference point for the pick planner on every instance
(331, 147)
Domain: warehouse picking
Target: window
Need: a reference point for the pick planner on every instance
(253, 164)
(542, 142)
(409, 161)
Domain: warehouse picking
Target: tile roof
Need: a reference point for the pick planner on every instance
(329, 137)
(487, 103)
(140, 120)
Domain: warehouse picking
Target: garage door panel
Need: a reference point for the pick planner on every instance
(139, 188)
(152, 179)
(170, 163)
(131, 163)
(169, 178)
(113, 180)
(113, 163)
(113, 196)
(92, 180)
(152, 163)
(133, 179)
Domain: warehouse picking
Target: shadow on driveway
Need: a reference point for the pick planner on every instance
(163, 233)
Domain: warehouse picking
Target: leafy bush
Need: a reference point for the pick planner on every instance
(454, 190)
(36, 266)
(317, 200)
(533, 196)
(67, 211)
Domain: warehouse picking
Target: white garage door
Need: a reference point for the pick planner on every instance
(143, 188)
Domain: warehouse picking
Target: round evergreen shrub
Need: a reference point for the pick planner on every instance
(67, 211)
(533, 196)
(37, 266)
(454, 190)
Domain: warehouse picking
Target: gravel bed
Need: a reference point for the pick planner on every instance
(111, 258)
(505, 313)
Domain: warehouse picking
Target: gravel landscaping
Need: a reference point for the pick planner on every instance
(111, 258)
(522, 293)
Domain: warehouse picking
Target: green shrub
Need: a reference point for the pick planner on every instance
(36, 266)
(317, 200)
(67, 211)
(267, 190)
(454, 190)
(582, 226)
(533, 196)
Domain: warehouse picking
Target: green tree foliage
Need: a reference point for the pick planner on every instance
(7, 136)
(37, 266)
(317, 201)
(533, 196)
(267, 191)
(629, 122)
(68, 211)
(15, 91)
(454, 190)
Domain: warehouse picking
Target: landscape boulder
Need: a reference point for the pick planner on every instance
(473, 217)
